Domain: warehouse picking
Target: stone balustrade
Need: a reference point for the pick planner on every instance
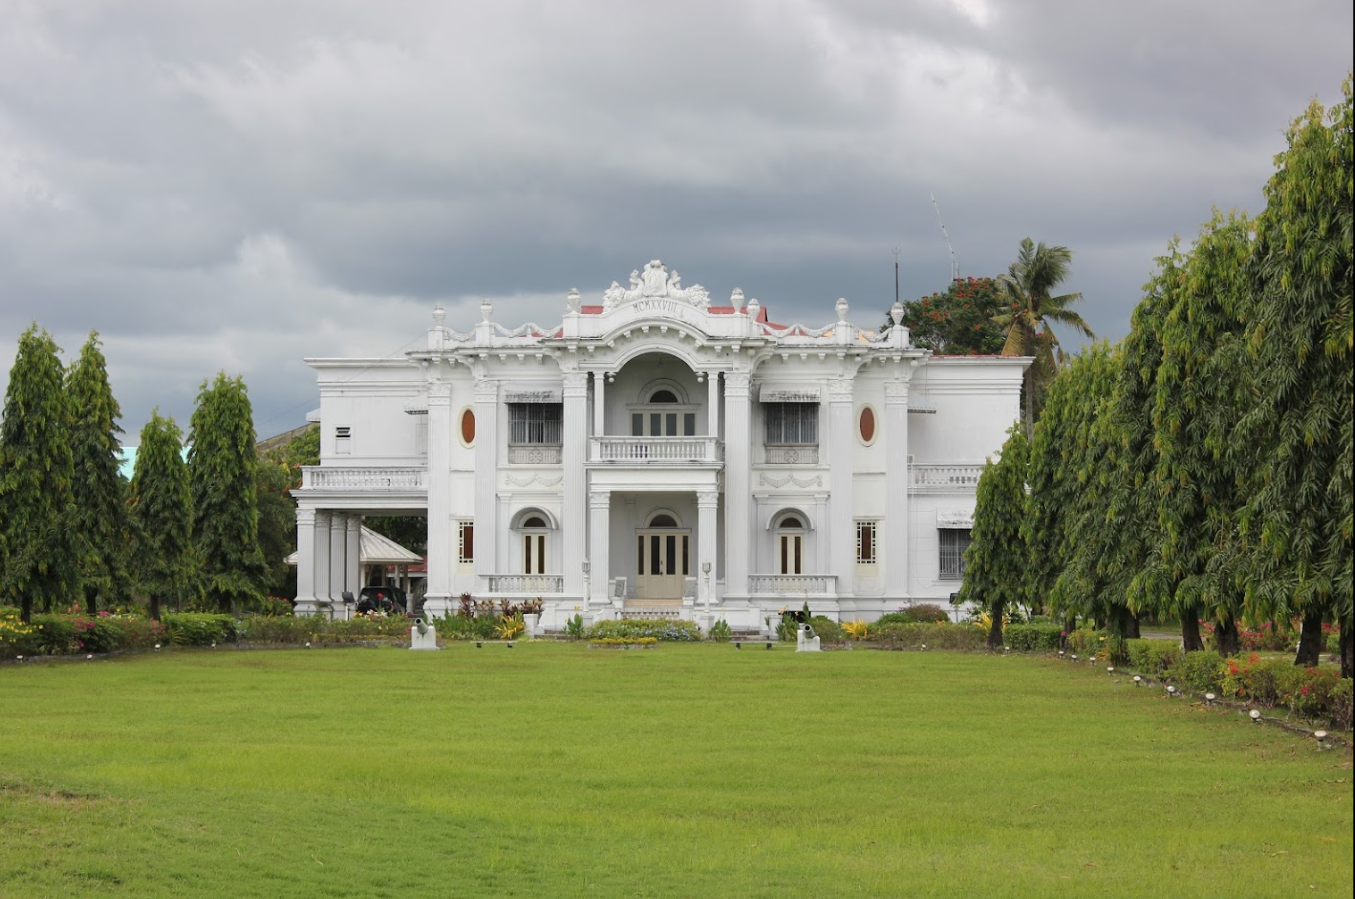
(793, 585)
(667, 450)
(526, 584)
(349, 478)
(926, 477)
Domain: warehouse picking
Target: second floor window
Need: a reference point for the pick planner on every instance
(534, 424)
(792, 424)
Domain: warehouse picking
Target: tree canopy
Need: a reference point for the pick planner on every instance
(161, 508)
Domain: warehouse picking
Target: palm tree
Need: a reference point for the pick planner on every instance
(1028, 287)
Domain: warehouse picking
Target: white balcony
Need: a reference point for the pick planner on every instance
(803, 586)
(526, 584)
(351, 478)
(663, 450)
(931, 477)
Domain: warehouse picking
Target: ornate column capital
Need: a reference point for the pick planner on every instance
(707, 499)
(576, 383)
(440, 392)
(486, 391)
(599, 499)
(896, 392)
(840, 390)
(305, 517)
(737, 383)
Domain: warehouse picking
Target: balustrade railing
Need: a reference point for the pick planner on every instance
(533, 454)
(793, 584)
(665, 450)
(806, 454)
(535, 584)
(936, 476)
(334, 477)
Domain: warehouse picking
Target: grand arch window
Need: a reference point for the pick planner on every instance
(663, 414)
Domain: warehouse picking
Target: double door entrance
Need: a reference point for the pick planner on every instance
(663, 562)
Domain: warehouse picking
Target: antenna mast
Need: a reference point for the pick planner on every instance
(954, 262)
(897, 250)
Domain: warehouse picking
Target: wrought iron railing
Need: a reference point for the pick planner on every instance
(532, 454)
(805, 454)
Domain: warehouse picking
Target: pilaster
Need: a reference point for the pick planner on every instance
(841, 529)
(894, 547)
(599, 547)
(338, 558)
(738, 452)
(707, 512)
(573, 452)
(441, 550)
(486, 477)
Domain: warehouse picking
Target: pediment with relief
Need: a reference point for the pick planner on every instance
(655, 282)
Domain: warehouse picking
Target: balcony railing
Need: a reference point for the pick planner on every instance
(533, 454)
(533, 584)
(929, 476)
(664, 450)
(793, 585)
(802, 454)
(335, 477)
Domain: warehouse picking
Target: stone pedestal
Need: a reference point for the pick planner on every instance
(423, 636)
(806, 640)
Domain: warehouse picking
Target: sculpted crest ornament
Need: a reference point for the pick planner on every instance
(655, 282)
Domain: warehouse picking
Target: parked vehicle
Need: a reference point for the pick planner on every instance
(381, 598)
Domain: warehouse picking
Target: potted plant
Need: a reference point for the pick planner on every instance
(531, 615)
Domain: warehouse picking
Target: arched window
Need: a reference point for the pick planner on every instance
(790, 545)
(663, 520)
(663, 411)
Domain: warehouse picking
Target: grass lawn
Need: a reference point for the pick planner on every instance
(685, 771)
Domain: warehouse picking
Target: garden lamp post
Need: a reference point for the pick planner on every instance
(705, 572)
(587, 593)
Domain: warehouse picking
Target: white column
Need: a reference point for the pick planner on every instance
(441, 546)
(895, 558)
(841, 526)
(599, 407)
(599, 547)
(737, 471)
(305, 562)
(713, 404)
(352, 574)
(322, 544)
(486, 478)
(573, 452)
(338, 552)
(707, 512)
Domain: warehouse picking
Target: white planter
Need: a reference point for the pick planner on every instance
(532, 622)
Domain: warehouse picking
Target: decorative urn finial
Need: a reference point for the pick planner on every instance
(486, 310)
(572, 299)
(841, 307)
(439, 315)
(896, 314)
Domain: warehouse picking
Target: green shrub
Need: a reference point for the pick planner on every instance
(720, 631)
(202, 628)
(1033, 637)
(1198, 671)
(663, 631)
(17, 638)
(56, 634)
(826, 629)
(1314, 696)
(574, 627)
(924, 612)
(1341, 702)
(1264, 682)
(1152, 657)
(1087, 642)
(934, 636)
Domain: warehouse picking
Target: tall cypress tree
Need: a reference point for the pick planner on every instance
(37, 554)
(1299, 508)
(161, 510)
(221, 462)
(99, 523)
(1201, 391)
(995, 560)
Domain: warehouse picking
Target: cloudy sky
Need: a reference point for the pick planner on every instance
(238, 184)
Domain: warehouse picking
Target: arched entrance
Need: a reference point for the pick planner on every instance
(663, 557)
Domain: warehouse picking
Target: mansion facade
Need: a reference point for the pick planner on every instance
(656, 454)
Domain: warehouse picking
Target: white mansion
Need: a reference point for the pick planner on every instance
(657, 455)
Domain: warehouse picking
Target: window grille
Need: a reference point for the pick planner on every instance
(954, 542)
(465, 549)
(535, 424)
(791, 424)
(865, 543)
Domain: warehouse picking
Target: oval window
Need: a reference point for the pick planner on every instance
(867, 425)
(468, 427)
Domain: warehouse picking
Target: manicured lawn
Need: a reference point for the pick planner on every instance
(685, 771)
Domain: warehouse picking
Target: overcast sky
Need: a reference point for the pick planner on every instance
(238, 184)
